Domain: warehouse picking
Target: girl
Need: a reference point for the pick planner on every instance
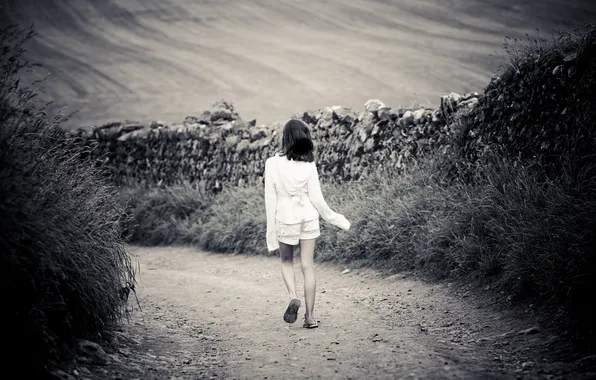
(293, 202)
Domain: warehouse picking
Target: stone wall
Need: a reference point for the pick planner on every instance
(218, 148)
(542, 112)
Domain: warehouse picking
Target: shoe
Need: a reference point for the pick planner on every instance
(307, 325)
(291, 313)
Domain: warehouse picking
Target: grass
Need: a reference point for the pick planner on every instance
(163, 216)
(185, 215)
(65, 269)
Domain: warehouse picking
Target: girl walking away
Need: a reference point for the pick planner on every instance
(294, 202)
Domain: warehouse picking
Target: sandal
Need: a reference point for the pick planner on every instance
(310, 325)
(291, 313)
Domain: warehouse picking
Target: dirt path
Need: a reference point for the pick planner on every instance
(220, 316)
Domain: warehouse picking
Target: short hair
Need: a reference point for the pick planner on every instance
(297, 144)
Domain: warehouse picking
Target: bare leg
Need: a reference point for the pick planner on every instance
(287, 268)
(307, 253)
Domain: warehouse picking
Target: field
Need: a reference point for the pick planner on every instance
(165, 60)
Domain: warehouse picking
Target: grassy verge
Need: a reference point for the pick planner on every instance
(65, 271)
(162, 216)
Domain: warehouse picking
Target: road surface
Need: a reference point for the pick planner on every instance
(220, 316)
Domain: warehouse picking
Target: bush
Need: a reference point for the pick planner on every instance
(65, 271)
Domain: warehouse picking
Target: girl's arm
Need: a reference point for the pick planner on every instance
(316, 198)
(270, 207)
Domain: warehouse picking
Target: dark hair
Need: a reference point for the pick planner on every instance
(296, 142)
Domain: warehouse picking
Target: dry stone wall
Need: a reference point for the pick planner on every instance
(541, 111)
(218, 148)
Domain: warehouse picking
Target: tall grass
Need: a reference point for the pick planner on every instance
(65, 270)
(236, 222)
(232, 222)
(162, 216)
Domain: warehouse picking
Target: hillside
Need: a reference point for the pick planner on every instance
(147, 60)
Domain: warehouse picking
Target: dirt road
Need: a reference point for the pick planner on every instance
(220, 316)
(167, 59)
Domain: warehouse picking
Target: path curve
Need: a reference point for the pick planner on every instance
(220, 316)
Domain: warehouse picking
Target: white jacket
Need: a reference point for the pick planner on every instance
(293, 195)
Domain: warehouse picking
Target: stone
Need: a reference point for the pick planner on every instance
(373, 105)
(220, 121)
(367, 121)
(362, 135)
(223, 110)
(345, 115)
(109, 131)
(570, 57)
(386, 113)
(418, 116)
(190, 120)
(243, 145)
(436, 116)
(232, 140)
(129, 127)
(469, 96)
(449, 103)
(231, 151)
(157, 124)
(468, 104)
(139, 133)
(325, 118)
(92, 352)
(407, 119)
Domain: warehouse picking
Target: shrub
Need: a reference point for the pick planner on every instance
(534, 237)
(65, 271)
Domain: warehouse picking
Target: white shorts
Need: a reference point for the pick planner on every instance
(291, 234)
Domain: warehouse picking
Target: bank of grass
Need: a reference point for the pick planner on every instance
(164, 215)
(231, 222)
(65, 271)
